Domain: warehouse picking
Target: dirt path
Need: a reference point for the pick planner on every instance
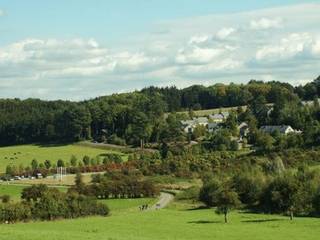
(163, 201)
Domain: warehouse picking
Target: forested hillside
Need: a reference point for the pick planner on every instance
(130, 117)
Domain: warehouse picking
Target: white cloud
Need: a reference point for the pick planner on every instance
(198, 39)
(316, 48)
(200, 50)
(266, 23)
(295, 44)
(225, 32)
(215, 67)
(197, 55)
(1, 12)
(131, 62)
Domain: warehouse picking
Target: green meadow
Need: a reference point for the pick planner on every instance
(179, 221)
(23, 154)
(171, 223)
(14, 191)
(120, 205)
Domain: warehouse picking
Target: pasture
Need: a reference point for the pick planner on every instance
(23, 154)
(127, 205)
(207, 112)
(172, 223)
(14, 191)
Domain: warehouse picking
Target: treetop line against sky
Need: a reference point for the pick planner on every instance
(82, 49)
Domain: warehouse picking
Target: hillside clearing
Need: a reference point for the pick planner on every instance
(23, 154)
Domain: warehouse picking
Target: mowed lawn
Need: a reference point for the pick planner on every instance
(168, 224)
(23, 154)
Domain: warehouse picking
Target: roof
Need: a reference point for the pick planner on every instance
(187, 123)
(271, 129)
(213, 125)
(195, 121)
(243, 125)
(225, 114)
(222, 115)
(216, 116)
(201, 120)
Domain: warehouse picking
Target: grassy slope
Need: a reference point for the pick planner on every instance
(207, 112)
(14, 191)
(168, 224)
(128, 205)
(41, 153)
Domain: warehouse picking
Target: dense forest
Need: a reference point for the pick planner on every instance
(129, 118)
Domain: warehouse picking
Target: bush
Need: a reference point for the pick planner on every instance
(191, 193)
(5, 198)
(111, 158)
(114, 139)
(45, 203)
(249, 188)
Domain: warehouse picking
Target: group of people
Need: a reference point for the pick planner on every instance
(143, 207)
(146, 207)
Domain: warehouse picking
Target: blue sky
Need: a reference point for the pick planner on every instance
(77, 49)
(107, 20)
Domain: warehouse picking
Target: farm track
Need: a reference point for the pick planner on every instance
(164, 200)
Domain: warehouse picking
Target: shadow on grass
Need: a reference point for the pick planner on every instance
(197, 208)
(262, 220)
(46, 145)
(204, 222)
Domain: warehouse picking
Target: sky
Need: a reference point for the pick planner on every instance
(81, 49)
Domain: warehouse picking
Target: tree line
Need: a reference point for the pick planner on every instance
(40, 202)
(116, 184)
(286, 193)
(86, 164)
(135, 117)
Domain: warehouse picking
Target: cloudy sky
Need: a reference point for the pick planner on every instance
(79, 49)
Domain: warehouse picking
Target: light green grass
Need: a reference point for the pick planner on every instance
(14, 191)
(23, 154)
(168, 224)
(206, 112)
(120, 205)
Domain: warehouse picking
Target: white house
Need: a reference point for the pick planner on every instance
(219, 117)
(189, 125)
(283, 129)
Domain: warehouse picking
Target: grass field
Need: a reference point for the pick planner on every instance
(128, 205)
(14, 191)
(206, 112)
(179, 222)
(172, 223)
(23, 154)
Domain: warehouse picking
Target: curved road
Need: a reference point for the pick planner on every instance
(163, 201)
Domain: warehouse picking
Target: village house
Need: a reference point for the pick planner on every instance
(213, 126)
(219, 117)
(189, 125)
(243, 129)
(283, 129)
